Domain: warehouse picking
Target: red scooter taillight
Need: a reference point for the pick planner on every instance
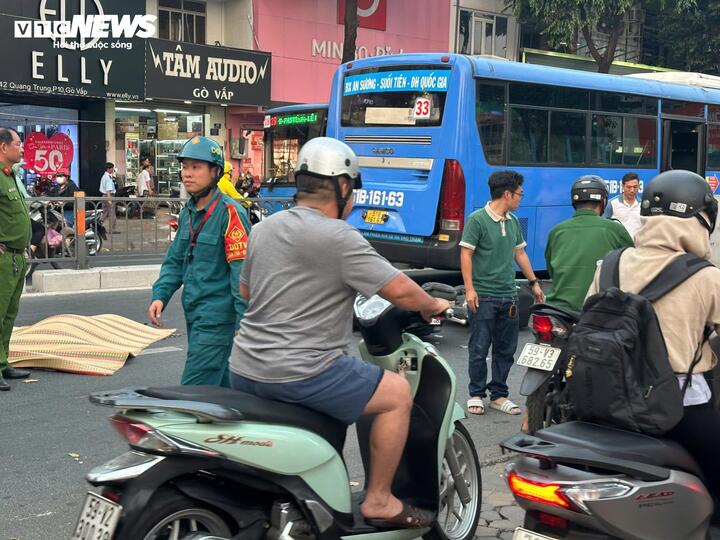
(542, 327)
(547, 493)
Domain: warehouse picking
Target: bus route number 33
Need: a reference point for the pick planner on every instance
(376, 197)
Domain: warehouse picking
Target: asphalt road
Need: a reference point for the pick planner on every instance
(46, 424)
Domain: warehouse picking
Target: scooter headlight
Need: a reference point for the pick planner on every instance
(582, 493)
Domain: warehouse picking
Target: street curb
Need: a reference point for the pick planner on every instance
(29, 293)
(104, 278)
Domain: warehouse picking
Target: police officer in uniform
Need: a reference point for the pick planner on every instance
(206, 257)
(14, 237)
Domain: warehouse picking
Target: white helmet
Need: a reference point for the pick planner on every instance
(326, 157)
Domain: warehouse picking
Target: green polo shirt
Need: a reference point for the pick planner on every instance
(573, 249)
(493, 240)
(14, 218)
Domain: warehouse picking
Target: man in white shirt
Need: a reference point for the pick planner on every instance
(107, 188)
(145, 182)
(626, 207)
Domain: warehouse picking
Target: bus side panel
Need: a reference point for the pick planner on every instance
(527, 215)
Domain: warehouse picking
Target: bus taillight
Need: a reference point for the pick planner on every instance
(452, 199)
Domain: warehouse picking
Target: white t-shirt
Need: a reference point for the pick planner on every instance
(627, 214)
(143, 181)
(106, 184)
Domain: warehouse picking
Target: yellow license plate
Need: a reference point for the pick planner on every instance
(375, 217)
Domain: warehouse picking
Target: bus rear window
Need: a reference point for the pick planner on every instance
(391, 97)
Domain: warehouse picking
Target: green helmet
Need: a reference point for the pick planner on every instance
(203, 149)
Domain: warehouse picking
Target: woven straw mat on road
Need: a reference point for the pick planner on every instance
(97, 345)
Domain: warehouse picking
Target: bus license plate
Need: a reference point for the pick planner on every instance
(524, 534)
(375, 217)
(538, 356)
(98, 519)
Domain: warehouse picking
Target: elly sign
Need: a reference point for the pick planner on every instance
(202, 73)
(86, 48)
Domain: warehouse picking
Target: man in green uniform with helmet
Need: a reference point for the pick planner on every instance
(576, 245)
(14, 237)
(206, 257)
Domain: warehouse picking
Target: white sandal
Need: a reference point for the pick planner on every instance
(476, 402)
(506, 406)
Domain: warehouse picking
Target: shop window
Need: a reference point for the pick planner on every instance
(182, 20)
(156, 134)
(482, 33)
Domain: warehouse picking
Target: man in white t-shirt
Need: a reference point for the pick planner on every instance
(625, 208)
(107, 188)
(145, 182)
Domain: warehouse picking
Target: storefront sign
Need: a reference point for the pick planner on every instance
(371, 13)
(60, 47)
(46, 156)
(201, 73)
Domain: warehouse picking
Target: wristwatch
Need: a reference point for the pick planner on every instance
(532, 282)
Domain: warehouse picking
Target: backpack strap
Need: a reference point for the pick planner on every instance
(610, 269)
(698, 356)
(673, 275)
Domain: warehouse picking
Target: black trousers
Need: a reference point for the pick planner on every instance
(699, 433)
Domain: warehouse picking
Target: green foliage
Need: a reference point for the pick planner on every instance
(691, 41)
(561, 19)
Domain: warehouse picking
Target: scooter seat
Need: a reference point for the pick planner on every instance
(257, 409)
(622, 444)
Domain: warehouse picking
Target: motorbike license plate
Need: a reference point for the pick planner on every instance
(375, 217)
(524, 534)
(538, 356)
(98, 519)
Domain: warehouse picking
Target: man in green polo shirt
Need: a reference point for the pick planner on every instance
(491, 242)
(576, 245)
(14, 237)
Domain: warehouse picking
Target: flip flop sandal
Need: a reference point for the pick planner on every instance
(409, 517)
(476, 402)
(506, 406)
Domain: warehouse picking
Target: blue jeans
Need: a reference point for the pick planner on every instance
(492, 324)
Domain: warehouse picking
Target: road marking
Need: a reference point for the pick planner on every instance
(159, 350)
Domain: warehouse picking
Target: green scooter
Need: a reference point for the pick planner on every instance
(208, 462)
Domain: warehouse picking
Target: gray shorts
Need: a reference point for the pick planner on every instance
(341, 391)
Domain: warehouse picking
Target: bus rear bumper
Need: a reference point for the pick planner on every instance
(431, 253)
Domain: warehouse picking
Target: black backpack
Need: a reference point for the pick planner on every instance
(618, 372)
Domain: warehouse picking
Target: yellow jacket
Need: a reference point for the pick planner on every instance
(228, 188)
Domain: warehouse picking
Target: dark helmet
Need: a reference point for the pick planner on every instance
(589, 188)
(681, 194)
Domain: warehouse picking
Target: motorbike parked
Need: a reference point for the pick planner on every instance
(232, 465)
(545, 360)
(585, 481)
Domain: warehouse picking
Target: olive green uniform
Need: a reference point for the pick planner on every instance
(15, 234)
(573, 249)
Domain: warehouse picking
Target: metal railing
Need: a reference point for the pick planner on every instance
(91, 231)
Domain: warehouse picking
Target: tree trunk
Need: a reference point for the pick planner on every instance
(604, 60)
(351, 25)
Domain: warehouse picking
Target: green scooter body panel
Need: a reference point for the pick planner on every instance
(276, 448)
(414, 350)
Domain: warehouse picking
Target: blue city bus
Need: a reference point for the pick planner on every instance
(286, 129)
(429, 129)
